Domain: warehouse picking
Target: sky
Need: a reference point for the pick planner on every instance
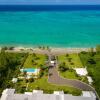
(39, 2)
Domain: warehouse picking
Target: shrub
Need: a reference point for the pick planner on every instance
(84, 52)
(37, 58)
(72, 63)
(63, 68)
(67, 55)
(91, 61)
(37, 88)
(5, 48)
(69, 59)
(31, 80)
(34, 54)
(98, 49)
(41, 74)
(11, 48)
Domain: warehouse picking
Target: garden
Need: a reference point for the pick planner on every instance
(66, 66)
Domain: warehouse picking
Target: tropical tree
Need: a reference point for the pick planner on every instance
(63, 67)
(34, 54)
(69, 59)
(92, 53)
(31, 80)
(98, 48)
(67, 55)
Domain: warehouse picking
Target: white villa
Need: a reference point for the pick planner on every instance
(9, 94)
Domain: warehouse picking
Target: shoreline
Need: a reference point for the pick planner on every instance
(46, 50)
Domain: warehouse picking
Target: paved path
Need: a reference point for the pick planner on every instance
(56, 79)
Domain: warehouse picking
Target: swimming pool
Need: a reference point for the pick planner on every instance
(31, 70)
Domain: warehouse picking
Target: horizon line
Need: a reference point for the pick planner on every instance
(50, 4)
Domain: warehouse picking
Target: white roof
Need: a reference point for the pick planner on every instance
(28, 93)
(38, 91)
(89, 79)
(88, 94)
(8, 91)
(52, 62)
(58, 92)
(14, 80)
(28, 77)
(81, 71)
(39, 95)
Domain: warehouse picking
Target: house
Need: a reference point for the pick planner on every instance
(9, 94)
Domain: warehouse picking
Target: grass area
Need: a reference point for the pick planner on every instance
(71, 60)
(69, 74)
(34, 60)
(92, 61)
(42, 84)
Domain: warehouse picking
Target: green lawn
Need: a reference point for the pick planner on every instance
(76, 63)
(69, 74)
(75, 60)
(34, 61)
(43, 84)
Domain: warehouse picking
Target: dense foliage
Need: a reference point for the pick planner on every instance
(92, 61)
(9, 68)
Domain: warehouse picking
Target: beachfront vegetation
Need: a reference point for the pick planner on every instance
(93, 66)
(98, 48)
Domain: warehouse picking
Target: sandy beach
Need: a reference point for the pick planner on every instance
(50, 50)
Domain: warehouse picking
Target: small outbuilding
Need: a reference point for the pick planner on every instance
(81, 71)
(52, 63)
(14, 80)
(89, 79)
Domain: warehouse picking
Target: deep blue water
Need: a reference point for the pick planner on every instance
(48, 7)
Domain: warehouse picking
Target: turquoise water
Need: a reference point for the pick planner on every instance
(30, 70)
(55, 29)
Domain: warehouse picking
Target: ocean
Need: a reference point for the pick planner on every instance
(55, 26)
